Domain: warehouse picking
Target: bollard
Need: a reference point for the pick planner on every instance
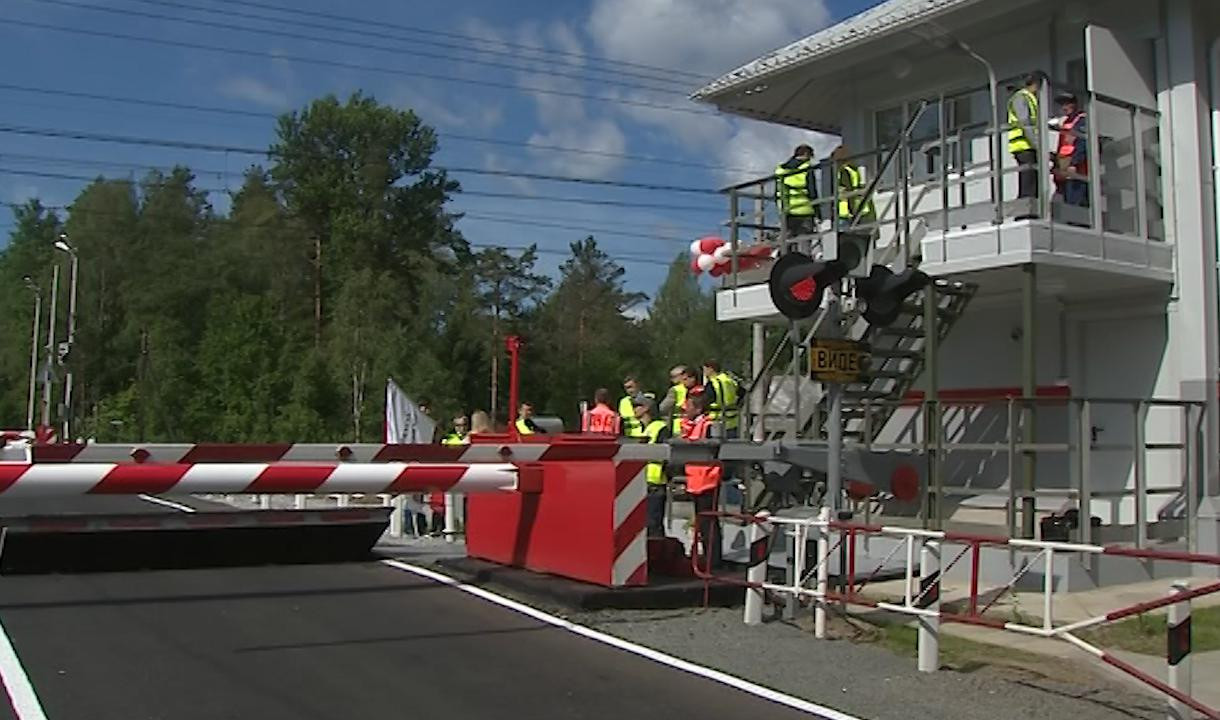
(757, 538)
(451, 524)
(823, 569)
(929, 599)
(1178, 652)
(398, 505)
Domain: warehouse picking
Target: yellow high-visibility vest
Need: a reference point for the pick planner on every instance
(455, 439)
(654, 473)
(726, 399)
(522, 428)
(792, 190)
(679, 401)
(851, 181)
(1017, 140)
(626, 410)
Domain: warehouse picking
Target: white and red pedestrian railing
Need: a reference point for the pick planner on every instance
(921, 596)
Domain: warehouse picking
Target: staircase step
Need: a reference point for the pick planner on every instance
(867, 394)
(895, 331)
(891, 353)
(889, 375)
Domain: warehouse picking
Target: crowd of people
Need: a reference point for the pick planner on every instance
(700, 404)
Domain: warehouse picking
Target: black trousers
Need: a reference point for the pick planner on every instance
(800, 225)
(1027, 176)
(656, 511)
(709, 529)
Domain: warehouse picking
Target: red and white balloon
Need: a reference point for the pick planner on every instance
(714, 256)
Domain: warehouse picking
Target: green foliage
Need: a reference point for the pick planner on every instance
(335, 268)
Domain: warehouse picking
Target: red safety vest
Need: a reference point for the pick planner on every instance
(602, 420)
(700, 477)
(1068, 140)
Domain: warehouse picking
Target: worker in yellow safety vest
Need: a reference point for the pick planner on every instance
(1023, 134)
(653, 431)
(626, 406)
(850, 183)
(796, 190)
(525, 424)
(460, 435)
(675, 398)
(722, 400)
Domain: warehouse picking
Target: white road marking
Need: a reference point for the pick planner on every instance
(665, 659)
(167, 503)
(21, 695)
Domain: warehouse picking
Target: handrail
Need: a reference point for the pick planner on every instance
(871, 188)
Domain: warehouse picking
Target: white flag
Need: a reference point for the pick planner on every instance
(404, 422)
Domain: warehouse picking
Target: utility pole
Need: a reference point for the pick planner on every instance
(29, 411)
(48, 361)
(834, 421)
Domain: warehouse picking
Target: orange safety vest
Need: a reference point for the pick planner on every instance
(1068, 140)
(701, 477)
(602, 420)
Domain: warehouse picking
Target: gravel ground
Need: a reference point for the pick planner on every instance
(867, 680)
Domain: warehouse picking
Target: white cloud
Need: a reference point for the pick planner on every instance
(707, 37)
(255, 91)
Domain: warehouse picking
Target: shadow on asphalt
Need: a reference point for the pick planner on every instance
(230, 596)
(395, 639)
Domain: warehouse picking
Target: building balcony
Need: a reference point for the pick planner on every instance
(948, 201)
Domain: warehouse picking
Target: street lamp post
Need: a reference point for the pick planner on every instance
(62, 244)
(49, 360)
(29, 409)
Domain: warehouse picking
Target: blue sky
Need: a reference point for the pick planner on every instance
(506, 109)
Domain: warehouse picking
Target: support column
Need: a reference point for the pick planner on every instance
(758, 400)
(1029, 391)
(932, 412)
(1193, 316)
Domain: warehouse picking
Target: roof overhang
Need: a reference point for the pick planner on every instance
(806, 84)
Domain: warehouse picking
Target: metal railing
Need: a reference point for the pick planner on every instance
(1074, 442)
(956, 176)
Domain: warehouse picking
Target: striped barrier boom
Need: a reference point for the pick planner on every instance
(30, 480)
(561, 449)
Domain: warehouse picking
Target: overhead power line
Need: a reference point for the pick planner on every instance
(425, 31)
(353, 66)
(256, 114)
(196, 22)
(428, 39)
(240, 150)
(591, 202)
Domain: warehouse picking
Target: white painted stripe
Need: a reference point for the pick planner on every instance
(632, 557)
(360, 477)
(21, 695)
(58, 479)
(167, 503)
(655, 655)
(203, 478)
(629, 498)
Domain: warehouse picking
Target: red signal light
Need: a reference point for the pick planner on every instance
(803, 290)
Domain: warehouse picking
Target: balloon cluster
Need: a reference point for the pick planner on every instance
(714, 256)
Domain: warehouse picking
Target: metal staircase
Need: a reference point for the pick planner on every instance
(897, 360)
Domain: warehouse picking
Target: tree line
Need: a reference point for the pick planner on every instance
(336, 267)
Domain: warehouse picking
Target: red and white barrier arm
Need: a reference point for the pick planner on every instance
(65, 479)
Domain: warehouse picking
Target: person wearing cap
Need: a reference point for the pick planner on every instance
(626, 406)
(1023, 134)
(796, 191)
(1071, 154)
(653, 432)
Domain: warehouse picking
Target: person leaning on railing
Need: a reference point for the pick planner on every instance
(796, 192)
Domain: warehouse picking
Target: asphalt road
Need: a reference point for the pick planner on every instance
(324, 641)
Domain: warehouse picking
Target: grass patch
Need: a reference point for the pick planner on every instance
(956, 653)
(1146, 633)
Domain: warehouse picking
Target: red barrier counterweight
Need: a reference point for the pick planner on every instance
(65, 479)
